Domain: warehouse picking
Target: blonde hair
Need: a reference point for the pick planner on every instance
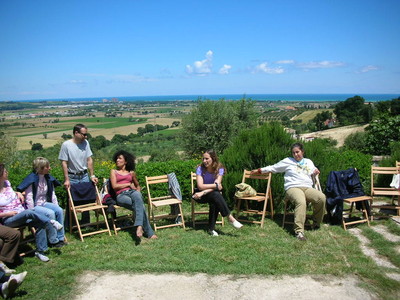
(39, 163)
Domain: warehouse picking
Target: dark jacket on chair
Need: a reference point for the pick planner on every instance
(341, 185)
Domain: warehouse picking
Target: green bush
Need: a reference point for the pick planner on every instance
(269, 144)
(355, 141)
(102, 169)
(256, 148)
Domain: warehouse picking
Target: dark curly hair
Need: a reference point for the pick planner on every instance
(129, 158)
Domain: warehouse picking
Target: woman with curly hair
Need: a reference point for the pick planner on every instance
(127, 189)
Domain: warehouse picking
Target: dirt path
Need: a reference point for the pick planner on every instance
(117, 286)
(338, 134)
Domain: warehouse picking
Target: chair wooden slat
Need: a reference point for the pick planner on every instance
(265, 197)
(160, 201)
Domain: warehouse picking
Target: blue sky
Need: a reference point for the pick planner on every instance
(97, 48)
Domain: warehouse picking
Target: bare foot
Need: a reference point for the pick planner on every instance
(153, 237)
(139, 231)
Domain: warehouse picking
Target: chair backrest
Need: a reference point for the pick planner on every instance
(316, 183)
(84, 191)
(398, 166)
(344, 184)
(157, 180)
(247, 176)
(376, 171)
(193, 178)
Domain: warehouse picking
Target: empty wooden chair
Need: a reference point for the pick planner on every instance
(250, 202)
(85, 197)
(385, 191)
(200, 209)
(160, 200)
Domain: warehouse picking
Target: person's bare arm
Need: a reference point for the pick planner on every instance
(135, 182)
(64, 165)
(91, 170)
(117, 186)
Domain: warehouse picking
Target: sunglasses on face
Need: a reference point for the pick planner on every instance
(84, 134)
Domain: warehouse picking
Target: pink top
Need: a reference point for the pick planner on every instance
(9, 200)
(41, 194)
(127, 178)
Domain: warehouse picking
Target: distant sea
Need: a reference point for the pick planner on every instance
(258, 97)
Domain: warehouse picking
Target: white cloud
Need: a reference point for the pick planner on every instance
(264, 68)
(324, 64)
(225, 69)
(288, 61)
(368, 69)
(201, 67)
(127, 78)
(77, 82)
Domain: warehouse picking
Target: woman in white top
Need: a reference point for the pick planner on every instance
(299, 187)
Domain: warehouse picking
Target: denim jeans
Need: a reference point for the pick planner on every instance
(44, 229)
(132, 200)
(53, 212)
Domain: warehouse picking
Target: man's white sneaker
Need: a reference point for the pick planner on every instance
(56, 225)
(19, 277)
(213, 233)
(41, 256)
(8, 288)
(236, 224)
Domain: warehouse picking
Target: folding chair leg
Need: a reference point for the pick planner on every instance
(77, 224)
(183, 221)
(284, 215)
(365, 213)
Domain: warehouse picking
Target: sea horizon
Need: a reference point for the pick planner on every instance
(256, 97)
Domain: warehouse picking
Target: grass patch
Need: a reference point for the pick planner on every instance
(308, 115)
(252, 250)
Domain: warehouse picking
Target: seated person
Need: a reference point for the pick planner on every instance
(298, 186)
(14, 214)
(209, 186)
(127, 190)
(40, 195)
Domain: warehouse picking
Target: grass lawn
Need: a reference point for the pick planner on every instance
(252, 250)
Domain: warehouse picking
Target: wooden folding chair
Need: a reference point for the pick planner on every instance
(29, 238)
(92, 203)
(261, 197)
(387, 191)
(117, 219)
(286, 212)
(159, 184)
(196, 207)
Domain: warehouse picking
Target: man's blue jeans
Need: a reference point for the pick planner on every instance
(44, 229)
(132, 200)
